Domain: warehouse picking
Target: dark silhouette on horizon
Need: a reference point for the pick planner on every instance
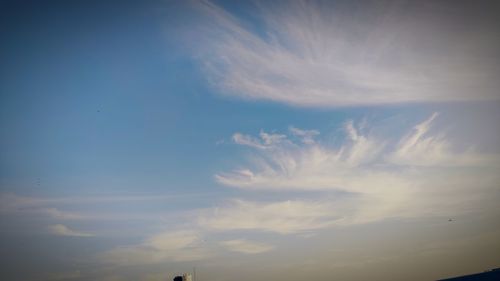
(491, 275)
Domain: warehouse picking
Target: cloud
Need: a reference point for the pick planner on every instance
(181, 245)
(288, 165)
(12, 201)
(420, 149)
(169, 241)
(283, 217)
(58, 214)
(265, 141)
(416, 175)
(246, 246)
(329, 54)
(306, 136)
(247, 140)
(18, 205)
(62, 230)
(362, 149)
(362, 164)
(356, 182)
(54, 207)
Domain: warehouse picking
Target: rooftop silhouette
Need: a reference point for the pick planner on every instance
(490, 275)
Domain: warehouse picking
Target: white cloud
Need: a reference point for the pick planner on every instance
(306, 136)
(283, 217)
(362, 164)
(362, 149)
(182, 245)
(246, 246)
(323, 54)
(421, 149)
(265, 140)
(62, 230)
(55, 207)
(58, 214)
(288, 165)
(173, 240)
(419, 175)
(374, 187)
(247, 140)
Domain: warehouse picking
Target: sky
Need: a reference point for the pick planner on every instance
(283, 140)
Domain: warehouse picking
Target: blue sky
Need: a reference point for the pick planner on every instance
(142, 139)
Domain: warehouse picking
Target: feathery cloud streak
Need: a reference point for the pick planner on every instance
(363, 163)
(246, 246)
(62, 230)
(326, 54)
(284, 217)
(384, 178)
(417, 175)
(181, 245)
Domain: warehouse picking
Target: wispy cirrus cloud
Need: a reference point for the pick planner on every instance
(284, 217)
(177, 245)
(363, 163)
(245, 246)
(360, 181)
(57, 207)
(62, 230)
(328, 54)
(385, 178)
(418, 148)
(305, 136)
(289, 165)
